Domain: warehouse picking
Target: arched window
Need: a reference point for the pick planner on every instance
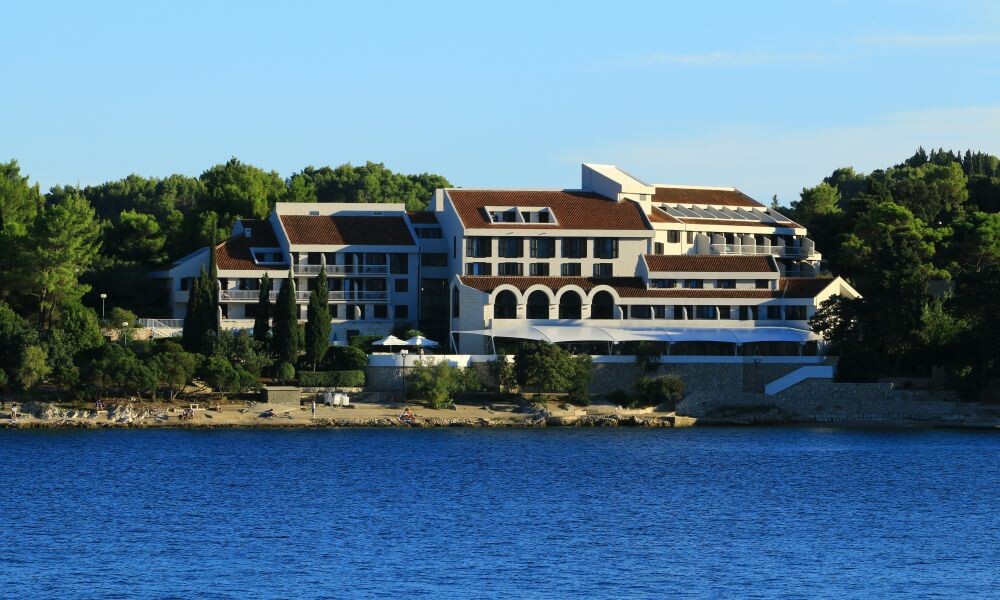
(603, 306)
(505, 305)
(569, 305)
(538, 305)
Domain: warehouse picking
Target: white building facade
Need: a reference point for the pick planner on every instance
(615, 261)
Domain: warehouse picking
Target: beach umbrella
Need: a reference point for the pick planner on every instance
(390, 341)
(421, 342)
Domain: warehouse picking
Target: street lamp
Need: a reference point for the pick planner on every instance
(125, 333)
(103, 298)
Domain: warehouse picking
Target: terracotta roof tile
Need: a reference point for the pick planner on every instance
(573, 210)
(677, 195)
(234, 253)
(347, 230)
(689, 263)
(423, 217)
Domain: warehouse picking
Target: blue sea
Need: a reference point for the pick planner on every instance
(458, 513)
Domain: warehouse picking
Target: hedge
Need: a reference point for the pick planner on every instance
(332, 378)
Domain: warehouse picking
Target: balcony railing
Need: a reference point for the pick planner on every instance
(303, 296)
(355, 270)
(747, 249)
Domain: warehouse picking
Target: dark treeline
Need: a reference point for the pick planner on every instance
(921, 242)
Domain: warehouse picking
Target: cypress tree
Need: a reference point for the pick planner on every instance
(194, 319)
(262, 317)
(285, 341)
(213, 290)
(318, 319)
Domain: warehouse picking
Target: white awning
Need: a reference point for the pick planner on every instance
(586, 333)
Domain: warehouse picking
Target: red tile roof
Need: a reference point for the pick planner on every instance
(672, 195)
(739, 223)
(689, 263)
(423, 217)
(347, 230)
(634, 287)
(234, 253)
(573, 210)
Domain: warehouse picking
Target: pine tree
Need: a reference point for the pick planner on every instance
(262, 317)
(318, 320)
(285, 341)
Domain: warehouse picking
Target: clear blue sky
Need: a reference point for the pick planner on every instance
(766, 96)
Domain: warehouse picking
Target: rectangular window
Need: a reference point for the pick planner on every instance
(574, 248)
(690, 237)
(603, 270)
(478, 268)
(673, 236)
(570, 270)
(704, 312)
(511, 269)
(680, 313)
(381, 311)
(454, 247)
(795, 313)
(725, 312)
(694, 284)
(763, 284)
(402, 311)
(434, 259)
(640, 311)
(478, 247)
(401, 285)
(334, 310)
(186, 283)
(429, 233)
(510, 247)
(658, 248)
(663, 283)
(538, 269)
(774, 313)
(399, 264)
(660, 311)
(725, 284)
(543, 248)
(606, 248)
(543, 216)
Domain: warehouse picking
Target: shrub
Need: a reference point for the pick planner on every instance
(858, 366)
(666, 389)
(647, 356)
(353, 378)
(346, 358)
(225, 376)
(284, 372)
(437, 383)
(549, 368)
(621, 398)
(362, 342)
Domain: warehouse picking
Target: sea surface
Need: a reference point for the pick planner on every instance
(459, 513)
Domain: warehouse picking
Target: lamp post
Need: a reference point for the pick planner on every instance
(125, 333)
(103, 298)
(403, 353)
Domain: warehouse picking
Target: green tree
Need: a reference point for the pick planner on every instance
(318, 320)
(236, 190)
(75, 331)
(64, 240)
(262, 315)
(438, 382)
(285, 340)
(15, 335)
(242, 350)
(823, 199)
(136, 237)
(173, 367)
(34, 367)
(548, 368)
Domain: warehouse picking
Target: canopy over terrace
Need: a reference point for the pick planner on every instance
(671, 335)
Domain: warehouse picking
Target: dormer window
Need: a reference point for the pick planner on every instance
(520, 214)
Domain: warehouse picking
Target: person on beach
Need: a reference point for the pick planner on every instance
(313, 409)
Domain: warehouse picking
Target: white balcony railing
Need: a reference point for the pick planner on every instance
(356, 270)
(339, 296)
(750, 249)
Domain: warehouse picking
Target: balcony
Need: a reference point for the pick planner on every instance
(751, 249)
(353, 296)
(343, 270)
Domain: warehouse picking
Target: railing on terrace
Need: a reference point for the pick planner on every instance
(354, 296)
(162, 323)
(785, 251)
(342, 269)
